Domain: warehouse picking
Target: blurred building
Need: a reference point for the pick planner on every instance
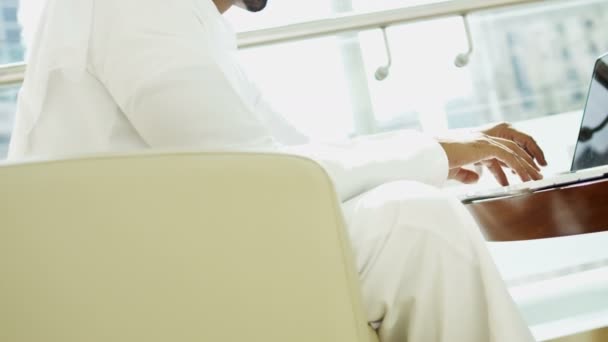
(11, 51)
(534, 62)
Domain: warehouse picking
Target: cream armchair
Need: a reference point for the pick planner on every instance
(175, 247)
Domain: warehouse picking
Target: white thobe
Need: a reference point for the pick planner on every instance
(164, 75)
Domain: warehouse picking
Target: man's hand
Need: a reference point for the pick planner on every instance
(495, 147)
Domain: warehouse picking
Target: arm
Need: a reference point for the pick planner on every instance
(361, 164)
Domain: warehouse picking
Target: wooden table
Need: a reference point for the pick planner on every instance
(578, 209)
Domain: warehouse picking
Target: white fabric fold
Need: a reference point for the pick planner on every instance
(57, 34)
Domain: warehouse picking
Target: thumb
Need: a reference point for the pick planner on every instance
(464, 176)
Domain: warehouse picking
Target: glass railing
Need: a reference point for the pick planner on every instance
(332, 25)
(512, 76)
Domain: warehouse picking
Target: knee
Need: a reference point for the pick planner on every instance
(416, 200)
(419, 207)
(408, 193)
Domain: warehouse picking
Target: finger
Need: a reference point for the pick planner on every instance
(520, 151)
(514, 164)
(505, 166)
(525, 171)
(505, 130)
(530, 145)
(524, 158)
(495, 167)
(464, 176)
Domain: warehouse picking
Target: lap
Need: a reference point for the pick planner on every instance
(403, 210)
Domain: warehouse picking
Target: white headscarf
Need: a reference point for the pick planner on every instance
(56, 34)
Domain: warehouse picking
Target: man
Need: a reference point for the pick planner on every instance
(128, 75)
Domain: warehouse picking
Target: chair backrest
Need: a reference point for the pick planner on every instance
(175, 247)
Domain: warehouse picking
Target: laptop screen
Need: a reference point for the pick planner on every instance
(592, 145)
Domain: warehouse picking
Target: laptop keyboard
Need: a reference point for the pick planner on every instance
(529, 187)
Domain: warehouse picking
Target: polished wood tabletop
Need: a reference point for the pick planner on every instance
(572, 210)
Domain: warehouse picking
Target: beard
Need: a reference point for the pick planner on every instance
(255, 5)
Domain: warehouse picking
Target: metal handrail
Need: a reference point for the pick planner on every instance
(13, 74)
(370, 20)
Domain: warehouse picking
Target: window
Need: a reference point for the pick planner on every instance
(8, 99)
(423, 81)
(13, 36)
(312, 92)
(9, 14)
(11, 51)
(15, 54)
(528, 62)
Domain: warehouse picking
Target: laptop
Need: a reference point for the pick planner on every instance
(590, 161)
